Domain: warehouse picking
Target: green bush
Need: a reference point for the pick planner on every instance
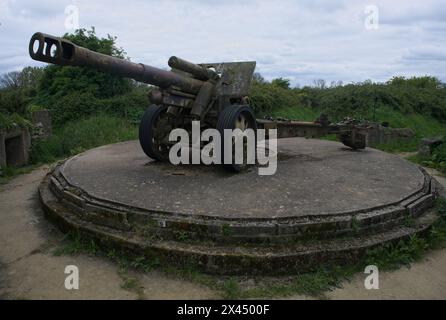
(423, 96)
(10, 121)
(74, 106)
(18, 88)
(420, 95)
(72, 93)
(268, 97)
(438, 158)
(81, 135)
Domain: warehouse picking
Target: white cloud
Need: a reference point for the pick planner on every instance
(300, 40)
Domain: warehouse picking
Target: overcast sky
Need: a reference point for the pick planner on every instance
(298, 40)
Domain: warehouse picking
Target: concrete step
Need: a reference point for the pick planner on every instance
(213, 257)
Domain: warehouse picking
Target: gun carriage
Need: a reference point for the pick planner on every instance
(216, 94)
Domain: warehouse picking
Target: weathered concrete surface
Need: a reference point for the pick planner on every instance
(32, 272)
(204, 216)
(41, 120)
(29, 270)
(14, 147)
(378, 134)
(314, 177)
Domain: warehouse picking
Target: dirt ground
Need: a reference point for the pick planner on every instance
(30, 270)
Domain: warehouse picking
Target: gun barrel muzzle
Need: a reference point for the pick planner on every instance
(50, 49)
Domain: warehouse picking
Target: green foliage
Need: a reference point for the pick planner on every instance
(17, 89)
(12, 101)
(59, 81)
(355, 224)
(422, 95)
(392, 256)
(439, 154)
(315, 283)
(72, 93)
(13, 120)
(144, 264)
(441, 208)
(8, 172)
(75, 244)
(412, 98)
(74, 106)
(231, 289)
(437, 159)
(282, 83)
(296, 113)
(417, 103)
(33, 108)
(399, 146)
(387, 257)
(267, 97)
(425, 82)
(226, 230)
(424, 125)
(81, 135)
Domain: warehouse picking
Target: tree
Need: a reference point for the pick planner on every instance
(320, 84)
(281, 82)
(21, 80)
(17, 88)
(60, 81)
(71, 92)
(10, 80)
(334, 84)
(258, 78)
(418, 82)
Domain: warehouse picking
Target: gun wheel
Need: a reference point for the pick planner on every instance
(154, 130)
(237, 117)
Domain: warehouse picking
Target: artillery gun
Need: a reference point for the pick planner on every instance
(216, 94)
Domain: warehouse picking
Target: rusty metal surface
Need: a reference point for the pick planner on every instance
(349, 132)
(235, 77)
(62, 52)
(198, 71)
(189, 91)
(202, 91)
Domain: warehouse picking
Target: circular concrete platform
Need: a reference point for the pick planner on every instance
(324, 202)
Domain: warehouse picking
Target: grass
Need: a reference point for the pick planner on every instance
(296, 113)
(390, 256)
(75, 244)
(398, 146)
(423, 126)
(313, 284)
(8, 173)
(78, 136)
(82, 135)
(99, 130)
(12, 121)
(436, 160)
(231, 289)
(74, 138)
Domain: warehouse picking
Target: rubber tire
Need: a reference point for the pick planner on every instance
(226, 120)
(151, 115)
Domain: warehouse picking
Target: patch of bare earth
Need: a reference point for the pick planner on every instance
(30, 270)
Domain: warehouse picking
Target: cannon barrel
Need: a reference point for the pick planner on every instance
(55, 50)
(199, 72)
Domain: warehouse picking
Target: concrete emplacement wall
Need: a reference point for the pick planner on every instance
(14, 147)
